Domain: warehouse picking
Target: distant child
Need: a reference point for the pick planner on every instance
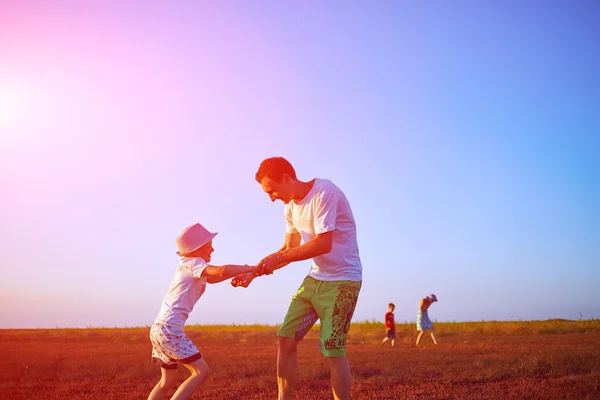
(170, 345)
(390, 325)
(423, 322)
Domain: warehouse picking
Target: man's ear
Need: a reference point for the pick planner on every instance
(285, 178)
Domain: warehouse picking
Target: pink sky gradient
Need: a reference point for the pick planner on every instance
(471, 165)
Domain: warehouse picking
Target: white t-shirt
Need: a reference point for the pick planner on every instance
(187, 287)
(325, 208)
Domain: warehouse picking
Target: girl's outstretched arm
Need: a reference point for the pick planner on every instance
(215, 274)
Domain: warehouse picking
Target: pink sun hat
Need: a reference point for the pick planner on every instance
(192, 238)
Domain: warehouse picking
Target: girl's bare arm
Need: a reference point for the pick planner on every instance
(215, 274)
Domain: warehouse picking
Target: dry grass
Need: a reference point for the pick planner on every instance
(492, 360)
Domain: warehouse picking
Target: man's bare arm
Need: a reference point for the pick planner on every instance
(291, 240)
(321, 244)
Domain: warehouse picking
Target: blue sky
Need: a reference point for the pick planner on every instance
(466, 137)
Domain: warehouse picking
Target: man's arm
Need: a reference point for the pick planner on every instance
(321, 244)
(291, 240)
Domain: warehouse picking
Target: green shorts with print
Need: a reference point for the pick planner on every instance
(331, 302)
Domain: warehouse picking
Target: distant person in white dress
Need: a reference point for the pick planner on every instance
(170, 345)
(424, 323)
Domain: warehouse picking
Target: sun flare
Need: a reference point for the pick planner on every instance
(20, 108)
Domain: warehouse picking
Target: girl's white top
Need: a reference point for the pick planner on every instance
(187, 287)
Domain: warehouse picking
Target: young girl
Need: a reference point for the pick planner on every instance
(423, 321)
(170, 345)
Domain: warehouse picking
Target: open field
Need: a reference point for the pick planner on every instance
(475, 360)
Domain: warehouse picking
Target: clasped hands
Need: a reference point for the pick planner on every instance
(266, 266)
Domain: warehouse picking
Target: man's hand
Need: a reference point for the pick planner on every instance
(243, 280)
(267, 265)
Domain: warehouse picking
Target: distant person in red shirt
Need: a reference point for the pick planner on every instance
(389, 325)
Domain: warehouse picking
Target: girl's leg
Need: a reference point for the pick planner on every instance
(200, 371)
(419, 337)
(433, 336)
(167, 381)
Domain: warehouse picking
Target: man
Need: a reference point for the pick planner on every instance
(318, 213)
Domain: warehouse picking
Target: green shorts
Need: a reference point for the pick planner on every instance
(331, 302)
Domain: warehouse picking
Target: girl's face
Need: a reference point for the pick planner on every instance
(205, 252)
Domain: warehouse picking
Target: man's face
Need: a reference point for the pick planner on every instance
(278, 191)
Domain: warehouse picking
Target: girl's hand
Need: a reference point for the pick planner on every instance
(243, 280)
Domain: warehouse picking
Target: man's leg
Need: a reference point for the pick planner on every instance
(287, 367)
(335, 303)
(300, 318)
(385, 340)
(340, 377)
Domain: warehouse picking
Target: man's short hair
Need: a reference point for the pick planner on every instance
(274, 168)
(392, 305)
